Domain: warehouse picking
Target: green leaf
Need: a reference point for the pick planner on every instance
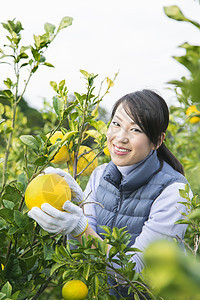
(64, 251)
(74, 115)
(40, 161)
(112, 252)
(7, 289)
(24, 48)
(48, 65)
(86, 270)
(12, 194)
(48, 252)
(94, 252)
(115, 232)
(6, 214)
(14, 230)
(195, 214)
(85, 73)
(175, 13)
(183, 194)
(69, 109)
(61, 85)
(34, 51)
(56, 267)
(49, 28)
(100, 126)
(8, 94)
(94, 133)
(65, 22)
(95, 285)
(54, 85)
(106, 229)
(67, 136)
(13, 269)
(110, 83)
(2, 296)
(58, 105)
(15, 295)
(20, 219)
(183, 221)
(22, 179)
(8, 82)
(8, 204)
(187, 188)
(30, 141)
(79, 98)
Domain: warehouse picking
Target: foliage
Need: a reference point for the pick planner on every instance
(171, 273)
(89, 262)
(183, 135)
(26, 251)
(192, 219)
(19, 57)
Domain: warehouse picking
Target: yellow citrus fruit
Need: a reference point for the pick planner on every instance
(106, 151)
(63, 155)
(86, 155)
(192, 109)
(74, 290)
(48, 188)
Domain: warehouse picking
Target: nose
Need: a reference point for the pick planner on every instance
(122, 136)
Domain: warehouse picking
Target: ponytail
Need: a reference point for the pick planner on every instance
(164, 154)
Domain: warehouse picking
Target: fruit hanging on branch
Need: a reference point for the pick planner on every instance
(87, 161)
(74, 290)
(63, 155)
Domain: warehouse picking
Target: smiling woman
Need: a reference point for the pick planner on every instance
(138, 188)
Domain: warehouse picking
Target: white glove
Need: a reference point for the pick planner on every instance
(77, 193)
(55, 221)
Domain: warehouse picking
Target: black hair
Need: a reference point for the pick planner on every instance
(150, 112)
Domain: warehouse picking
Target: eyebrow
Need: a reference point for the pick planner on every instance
(116, 116)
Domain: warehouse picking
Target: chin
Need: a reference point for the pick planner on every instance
(119, 164)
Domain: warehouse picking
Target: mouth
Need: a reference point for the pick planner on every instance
(120, 150)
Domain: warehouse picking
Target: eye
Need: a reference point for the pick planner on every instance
(136, 130)
(115, 123)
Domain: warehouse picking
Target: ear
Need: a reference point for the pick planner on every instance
(160, 141)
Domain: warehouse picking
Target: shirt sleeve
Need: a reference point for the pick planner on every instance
(165, 211)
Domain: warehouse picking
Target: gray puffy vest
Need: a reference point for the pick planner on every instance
(128, 202)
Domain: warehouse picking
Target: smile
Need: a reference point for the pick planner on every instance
(119, 149)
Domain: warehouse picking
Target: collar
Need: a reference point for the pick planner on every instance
(125, 170)
(138, 176)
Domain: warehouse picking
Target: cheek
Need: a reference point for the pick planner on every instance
(109, 133)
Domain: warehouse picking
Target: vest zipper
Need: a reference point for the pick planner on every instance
(118, 207)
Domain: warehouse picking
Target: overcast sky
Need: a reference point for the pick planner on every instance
(134, 37)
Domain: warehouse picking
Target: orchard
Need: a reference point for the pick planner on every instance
(37, 265)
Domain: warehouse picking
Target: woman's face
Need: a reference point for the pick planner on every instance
(126, 141)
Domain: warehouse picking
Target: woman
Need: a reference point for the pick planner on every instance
(139, 188)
